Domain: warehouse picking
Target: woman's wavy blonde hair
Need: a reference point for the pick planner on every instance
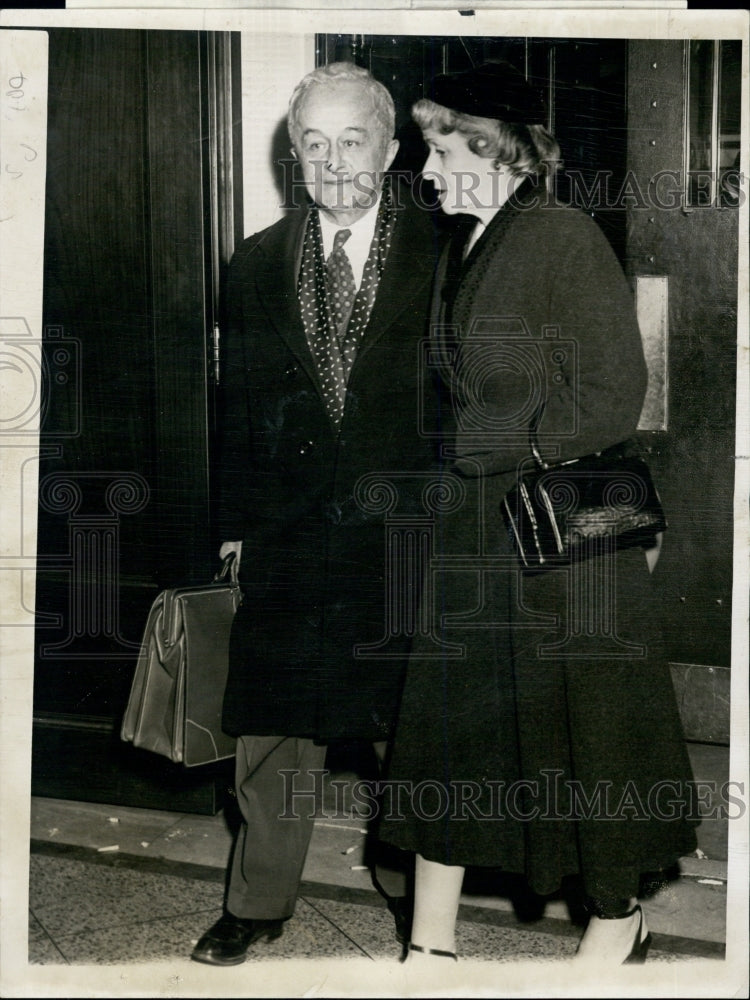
(524, 149)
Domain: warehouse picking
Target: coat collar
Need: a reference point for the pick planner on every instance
(275, 273)
(457, 271)
(410, 264)
(521, 200)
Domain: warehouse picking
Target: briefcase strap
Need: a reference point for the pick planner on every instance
(229, 568)
(172, 620)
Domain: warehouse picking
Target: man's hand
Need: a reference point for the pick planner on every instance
(228, 547)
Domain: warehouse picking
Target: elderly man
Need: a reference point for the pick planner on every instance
(322, 388)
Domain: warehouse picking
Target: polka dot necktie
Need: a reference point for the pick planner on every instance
(334, 339)
(342, 289)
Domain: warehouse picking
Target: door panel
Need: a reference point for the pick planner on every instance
(124, 481)
(697, 249)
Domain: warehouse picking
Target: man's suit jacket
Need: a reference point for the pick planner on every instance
(313, 525)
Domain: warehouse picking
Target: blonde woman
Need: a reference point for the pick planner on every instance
(535, 741)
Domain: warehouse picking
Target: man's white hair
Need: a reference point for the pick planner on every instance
(343, 72)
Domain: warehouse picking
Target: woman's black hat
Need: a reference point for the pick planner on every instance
(493, 90)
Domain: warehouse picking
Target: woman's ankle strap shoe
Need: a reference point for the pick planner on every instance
(433, 951)
(641, 944)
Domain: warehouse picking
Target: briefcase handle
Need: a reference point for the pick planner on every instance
(229, 568)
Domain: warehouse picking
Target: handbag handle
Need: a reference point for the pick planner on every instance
(533, 426)
(228, 568)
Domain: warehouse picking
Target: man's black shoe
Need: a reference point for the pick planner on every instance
(228, 941)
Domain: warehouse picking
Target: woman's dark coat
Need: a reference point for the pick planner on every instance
(521, 695)
(314, 555)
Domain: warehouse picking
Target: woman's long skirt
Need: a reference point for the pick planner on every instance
(538, 730)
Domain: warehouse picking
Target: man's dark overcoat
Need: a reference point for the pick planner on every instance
(551, 709)
(297, 493)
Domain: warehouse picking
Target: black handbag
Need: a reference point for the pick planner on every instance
(177, 694)
(566, 512)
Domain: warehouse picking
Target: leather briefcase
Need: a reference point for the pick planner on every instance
(176, 698)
